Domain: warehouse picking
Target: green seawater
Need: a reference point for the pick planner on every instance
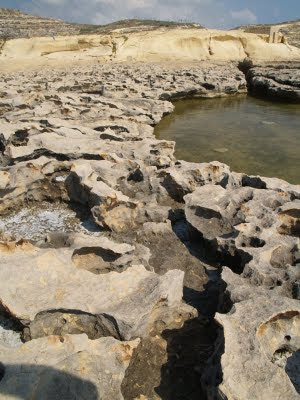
(254, 136)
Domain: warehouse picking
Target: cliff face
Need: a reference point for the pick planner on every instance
(291, 30)
(30, 40)
(184, 45)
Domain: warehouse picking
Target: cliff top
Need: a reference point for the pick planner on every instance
(290, 29)
(16, 24)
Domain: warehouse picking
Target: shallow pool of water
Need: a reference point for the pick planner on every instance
(251, 135)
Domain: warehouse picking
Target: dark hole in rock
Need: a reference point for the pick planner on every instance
(117, 129)
(252, 242)
(2, 143)
(257, 242)
(107, 136)
(19, 138)
(287, 337)
(57, 156)
(95, 259)
(155, 152)
(136, 176)
(2, 371)
(208, 86)
(296, 291)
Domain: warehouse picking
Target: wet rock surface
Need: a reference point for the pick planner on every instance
(125, 271)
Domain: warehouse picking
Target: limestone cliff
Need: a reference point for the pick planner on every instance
(160, 45)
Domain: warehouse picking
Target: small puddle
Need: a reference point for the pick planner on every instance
(251, 135)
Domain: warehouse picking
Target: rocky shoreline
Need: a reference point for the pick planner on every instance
(275, 81)
(125, 273)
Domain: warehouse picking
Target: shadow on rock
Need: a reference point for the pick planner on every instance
(170, 366)
(207, 251)
(24, 381)
(293, 369)
(188, 351)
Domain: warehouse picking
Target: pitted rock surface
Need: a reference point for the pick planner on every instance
(106, 237)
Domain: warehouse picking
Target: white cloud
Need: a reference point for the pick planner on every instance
(51, 2)
(244, 16)
(210, 13)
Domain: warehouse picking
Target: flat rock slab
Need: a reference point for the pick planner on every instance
(68, 367)
(35, 280)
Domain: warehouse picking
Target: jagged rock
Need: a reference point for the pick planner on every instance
(33, 181)
(60, 323)
(289, 219)
(65, 367)
(281, 82)
(185, 177)
(168, 253)
(212, 212)
(243, 226)
(49, 275)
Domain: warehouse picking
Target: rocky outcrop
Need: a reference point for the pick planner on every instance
(275, 81)
(106, 237)
(254, 231)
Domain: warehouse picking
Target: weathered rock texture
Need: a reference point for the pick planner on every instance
(161, 45)
(150, 250)
(290, 29)
(277, 81)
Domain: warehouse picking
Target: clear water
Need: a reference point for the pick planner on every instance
(251, 135)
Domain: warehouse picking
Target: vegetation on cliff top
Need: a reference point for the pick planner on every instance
(16, 24)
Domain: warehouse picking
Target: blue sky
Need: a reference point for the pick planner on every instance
(211, 13)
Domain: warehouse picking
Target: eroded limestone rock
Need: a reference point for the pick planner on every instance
(81, 141)
(66, 366)
(270, 330)
(281, 81)
(29, 273)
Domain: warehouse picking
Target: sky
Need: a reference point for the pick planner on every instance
(210, 13)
